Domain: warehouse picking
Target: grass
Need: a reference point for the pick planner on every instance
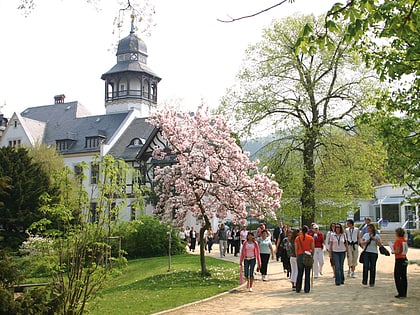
(146, 286)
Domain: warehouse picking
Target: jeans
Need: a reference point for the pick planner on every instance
(301, 270)
(249, 265)
(338, 258)
(400, 276)
(222, 247)
(369, 267)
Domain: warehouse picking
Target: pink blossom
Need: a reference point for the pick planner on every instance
(212, 176)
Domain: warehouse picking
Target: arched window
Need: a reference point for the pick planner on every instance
(146, 87)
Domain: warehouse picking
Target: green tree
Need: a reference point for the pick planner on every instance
(281, 88)
(83, 247)
(27, 181)
(348, 166)
(386, 34)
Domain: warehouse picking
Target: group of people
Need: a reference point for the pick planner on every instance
(292, 245)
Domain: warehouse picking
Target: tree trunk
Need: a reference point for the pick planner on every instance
(308, 192)
(204, 271)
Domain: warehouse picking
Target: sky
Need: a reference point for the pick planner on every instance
(64, 46)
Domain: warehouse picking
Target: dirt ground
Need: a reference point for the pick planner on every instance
(276, 296)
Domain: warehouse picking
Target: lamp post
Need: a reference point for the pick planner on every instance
(169, 246)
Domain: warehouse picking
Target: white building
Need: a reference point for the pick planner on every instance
(130, 93)
(391, 207)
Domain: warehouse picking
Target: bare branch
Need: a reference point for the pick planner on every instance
(254, 14)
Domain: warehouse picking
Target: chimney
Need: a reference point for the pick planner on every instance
(58, 99)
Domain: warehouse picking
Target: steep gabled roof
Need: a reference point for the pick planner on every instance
(34, 129)
(124, 148)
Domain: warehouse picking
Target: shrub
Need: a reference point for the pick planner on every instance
(147, 237)
(417, 241)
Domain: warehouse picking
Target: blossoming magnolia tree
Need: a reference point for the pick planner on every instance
(209, 175)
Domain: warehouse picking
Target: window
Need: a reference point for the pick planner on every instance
(132, 214)
(94, 173)
(15, 123)
(14, 143)
(93, 142)
(391, 212)
(136, 142)
(78, 172)
(61, 145)
(93, 215)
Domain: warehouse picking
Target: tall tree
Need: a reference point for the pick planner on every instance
(84, 256)
(212, 177)
(311, 90)
(27, 182)
(386, 34)
(348, 166)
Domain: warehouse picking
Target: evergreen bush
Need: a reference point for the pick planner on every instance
(148, 237)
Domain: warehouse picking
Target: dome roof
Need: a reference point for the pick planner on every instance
(130, 44)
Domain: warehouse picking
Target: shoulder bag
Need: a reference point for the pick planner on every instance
(363, 254)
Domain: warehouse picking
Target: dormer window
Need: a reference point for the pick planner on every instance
(63, 144)
(136, 142)
(94, 142)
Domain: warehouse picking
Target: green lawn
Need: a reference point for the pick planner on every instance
(146, 286)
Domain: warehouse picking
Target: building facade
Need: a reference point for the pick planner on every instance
(391, 208)
(130, 94)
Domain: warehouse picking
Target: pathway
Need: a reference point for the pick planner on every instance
(276, 297)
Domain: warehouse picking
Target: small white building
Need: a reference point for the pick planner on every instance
(391, 208)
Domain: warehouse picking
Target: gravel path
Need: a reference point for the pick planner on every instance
(276, 297)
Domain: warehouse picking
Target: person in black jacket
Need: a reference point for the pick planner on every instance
(193, 239)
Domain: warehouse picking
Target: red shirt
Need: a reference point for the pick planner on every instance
(319, 240)
(399, 247)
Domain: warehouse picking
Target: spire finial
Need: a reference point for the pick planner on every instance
(132, 23)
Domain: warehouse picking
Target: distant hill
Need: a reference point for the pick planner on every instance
(254, 145)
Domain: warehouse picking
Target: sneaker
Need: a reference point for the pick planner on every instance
(250, 289)
(352, 275)
(348, 273)
(321, 273)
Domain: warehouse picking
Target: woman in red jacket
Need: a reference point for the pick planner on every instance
(400, 268)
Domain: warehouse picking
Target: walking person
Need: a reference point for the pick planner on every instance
(327, 245)
(266, 248)
(230, 240)
(243, 236)
(319, 250)
(400, 250)
(250, 256)
(236, 240)
(353, 240)
(293, 260)
(222, 235)
(193, 239)
(338, 250)
(370, 241)
(285, 249)
(278, 236)
(304, 244)
(210, 239)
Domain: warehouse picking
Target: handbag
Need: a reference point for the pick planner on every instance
(363, 254)
(308, 260)
(384, 251)
(241, 275)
